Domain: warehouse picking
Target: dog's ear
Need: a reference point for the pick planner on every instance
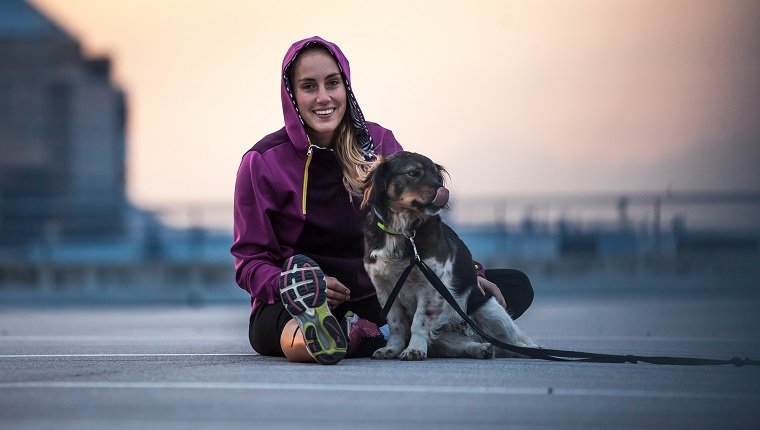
(442, 173)
(374, 184)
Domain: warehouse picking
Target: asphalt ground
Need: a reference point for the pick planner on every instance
(179, 367)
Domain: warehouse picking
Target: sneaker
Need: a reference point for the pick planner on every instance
(304, 293)
(363, 336)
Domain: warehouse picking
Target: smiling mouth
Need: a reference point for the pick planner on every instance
(324, 112)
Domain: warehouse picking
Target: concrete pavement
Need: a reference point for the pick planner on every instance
(184, 367)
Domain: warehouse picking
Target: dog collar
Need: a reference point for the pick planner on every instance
(387, 229)
(381, 225)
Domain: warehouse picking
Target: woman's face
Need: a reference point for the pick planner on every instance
(320, 94)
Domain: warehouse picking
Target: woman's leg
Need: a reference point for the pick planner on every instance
(274, 332)
(302, 321)
(304, 295)
(515, 287)
(265, 329)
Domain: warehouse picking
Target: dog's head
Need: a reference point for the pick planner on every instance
(406, 183)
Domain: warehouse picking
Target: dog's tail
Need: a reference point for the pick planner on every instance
(495, 320)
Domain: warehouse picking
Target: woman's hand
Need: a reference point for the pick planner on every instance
(337, 293)
(486, 285)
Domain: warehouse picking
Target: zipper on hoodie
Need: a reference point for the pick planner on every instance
(306, 176)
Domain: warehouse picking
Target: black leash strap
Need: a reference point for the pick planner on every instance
(548, 354)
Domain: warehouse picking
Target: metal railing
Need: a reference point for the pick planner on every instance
(203, 232)
(186, 246)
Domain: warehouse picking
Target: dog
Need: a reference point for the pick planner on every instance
(405, 194)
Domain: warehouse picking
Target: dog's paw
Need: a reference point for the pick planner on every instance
(385, 353)
(485, 350)
(412, 354)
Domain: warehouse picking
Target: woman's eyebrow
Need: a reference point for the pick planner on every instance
(307, 78)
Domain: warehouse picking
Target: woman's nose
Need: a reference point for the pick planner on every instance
(322, 94)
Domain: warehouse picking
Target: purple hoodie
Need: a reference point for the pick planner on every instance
(290, 199)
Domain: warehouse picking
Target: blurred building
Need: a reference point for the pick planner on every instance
(62, 135)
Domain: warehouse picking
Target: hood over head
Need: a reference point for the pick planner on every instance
(294, 124)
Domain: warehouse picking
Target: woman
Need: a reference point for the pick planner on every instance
(298, 222)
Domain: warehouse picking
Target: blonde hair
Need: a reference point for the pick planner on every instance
(350, 158)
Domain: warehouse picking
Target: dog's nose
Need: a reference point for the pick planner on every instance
(441, 197)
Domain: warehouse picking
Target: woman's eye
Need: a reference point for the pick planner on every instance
(333, 83)
(307, 87)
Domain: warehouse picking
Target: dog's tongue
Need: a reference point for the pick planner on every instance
(441, 197)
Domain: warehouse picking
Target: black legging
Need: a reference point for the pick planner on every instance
(268, 321)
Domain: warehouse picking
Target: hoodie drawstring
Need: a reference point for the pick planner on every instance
(306, 177)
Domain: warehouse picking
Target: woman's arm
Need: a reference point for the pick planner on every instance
(255, 246)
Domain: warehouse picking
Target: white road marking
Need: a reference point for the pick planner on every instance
(476, 390)
(120, 338)
(545, 340)
(225, 337)
(189, 354)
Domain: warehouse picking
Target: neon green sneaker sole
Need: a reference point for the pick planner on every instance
(304, 294)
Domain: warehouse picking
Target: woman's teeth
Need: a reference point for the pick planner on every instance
(324, 112)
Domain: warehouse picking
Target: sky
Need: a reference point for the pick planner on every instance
(512, 97)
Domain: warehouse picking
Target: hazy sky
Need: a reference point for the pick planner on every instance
(511, 96)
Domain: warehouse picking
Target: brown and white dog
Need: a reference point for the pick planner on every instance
(405, 194)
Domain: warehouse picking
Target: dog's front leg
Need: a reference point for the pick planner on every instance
(398, 324)
(421, 325)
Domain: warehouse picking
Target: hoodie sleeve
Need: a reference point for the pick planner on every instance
(255, 247)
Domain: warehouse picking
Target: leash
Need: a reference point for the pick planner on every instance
(538, 353)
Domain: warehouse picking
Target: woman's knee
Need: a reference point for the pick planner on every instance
(524, 294)
(265, 328)
(264, 343)
(516, 288)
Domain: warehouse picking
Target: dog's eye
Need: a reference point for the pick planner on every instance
(413, 173)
